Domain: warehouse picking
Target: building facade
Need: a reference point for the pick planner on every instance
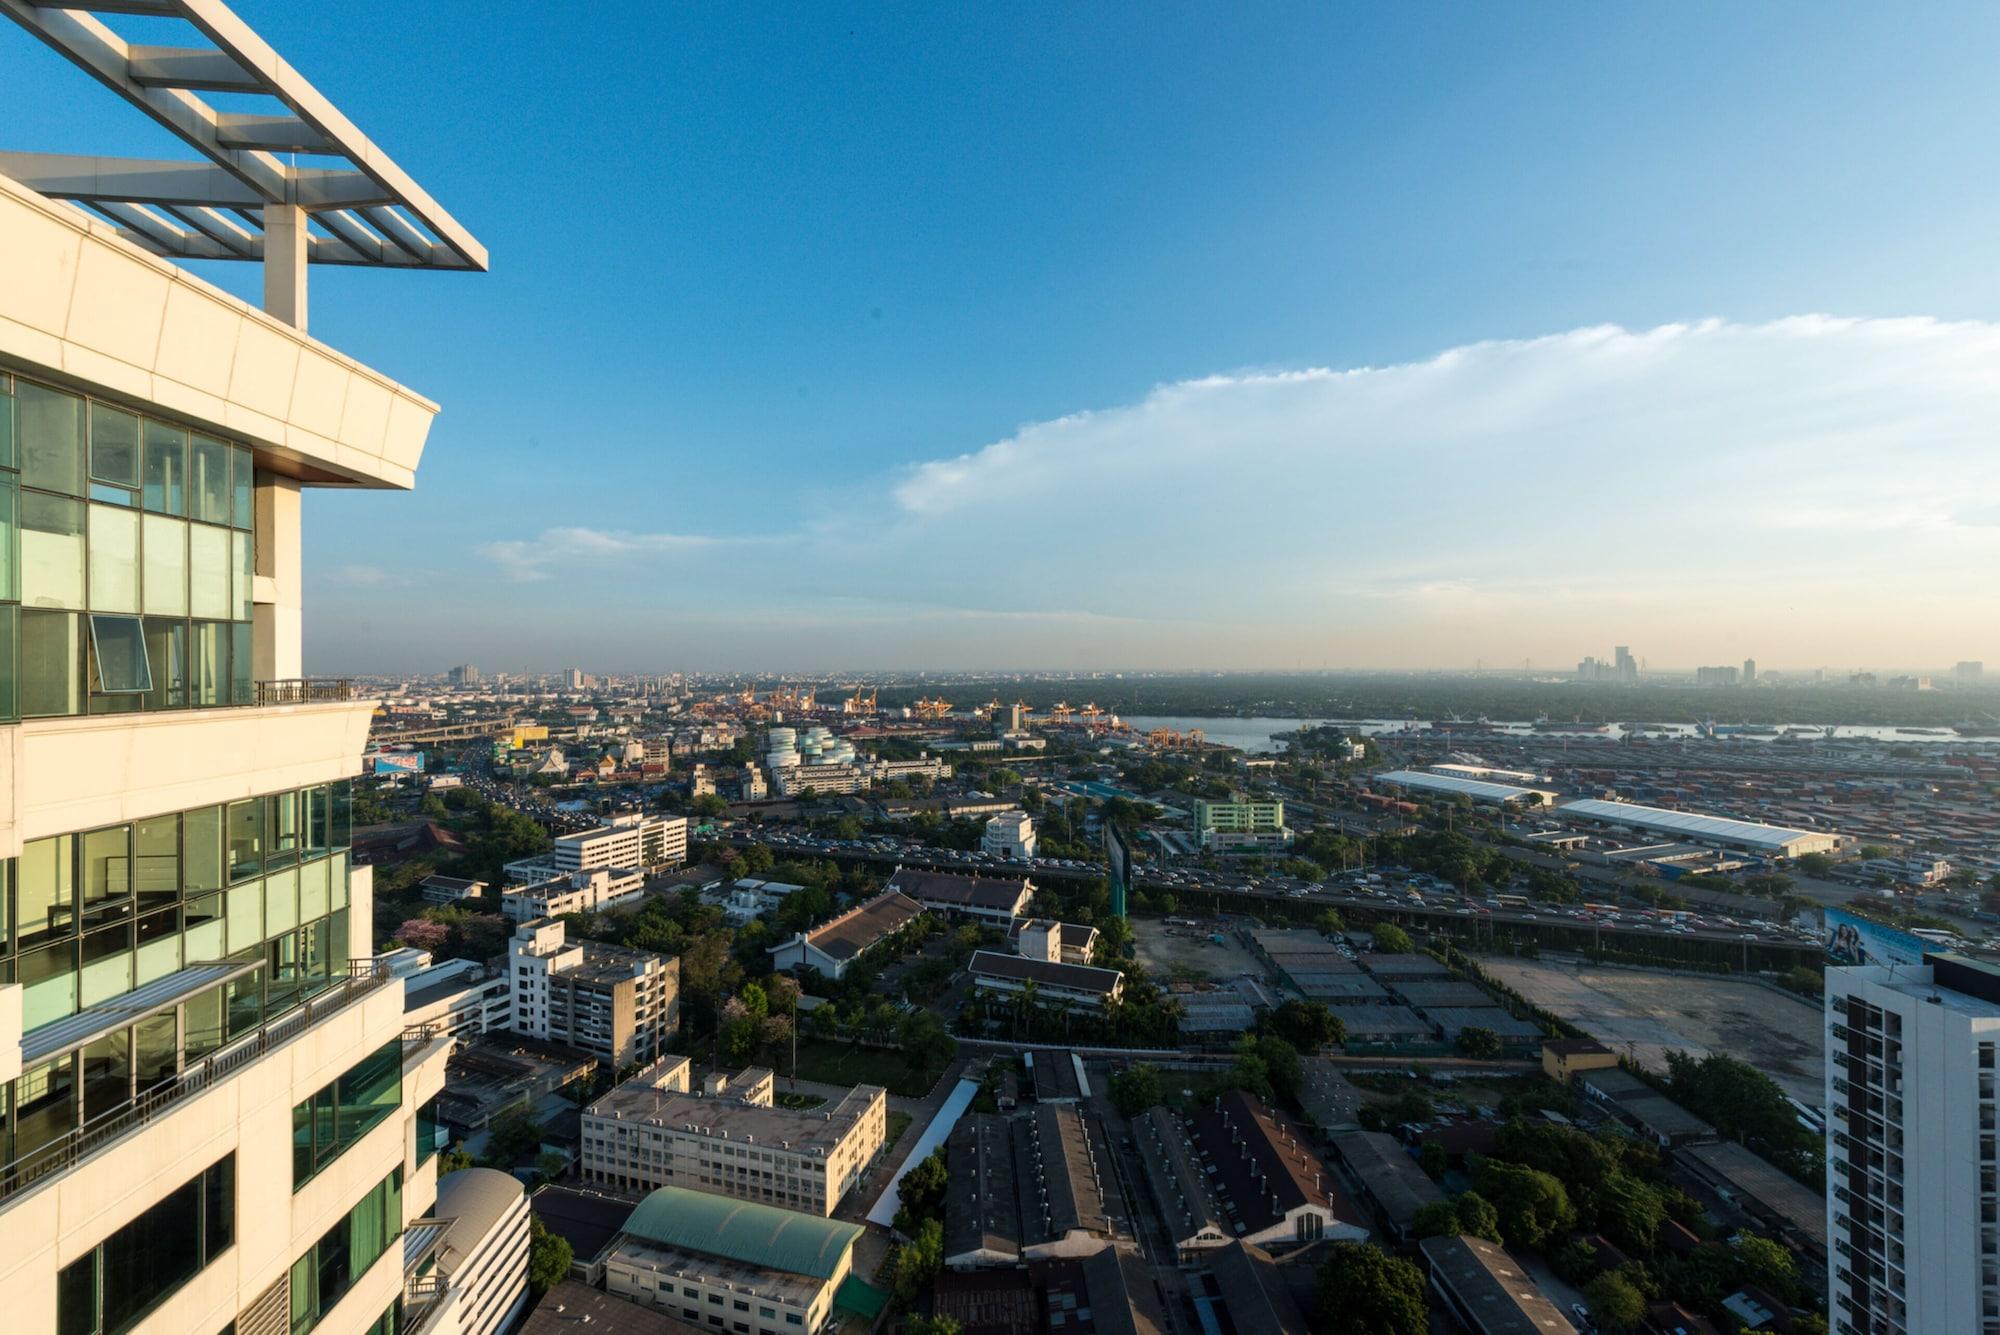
(1912, 1170)
(617, 1004)
(1241, 824)
(728, 1138)
(211, 1117)
(1011, 835)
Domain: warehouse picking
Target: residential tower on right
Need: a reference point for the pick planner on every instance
(1912, 1171)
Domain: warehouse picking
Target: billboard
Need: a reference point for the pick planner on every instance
(1853, 940)
(394, 762)
(1118, 859)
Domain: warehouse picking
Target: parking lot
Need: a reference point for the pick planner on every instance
(1643, 1014)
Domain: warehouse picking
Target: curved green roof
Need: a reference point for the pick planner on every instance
(695, 1221)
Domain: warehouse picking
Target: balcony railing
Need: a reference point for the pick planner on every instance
(305, 691)
(422, 1298)
(363, 977)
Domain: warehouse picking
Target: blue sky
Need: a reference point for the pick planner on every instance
(761, 274)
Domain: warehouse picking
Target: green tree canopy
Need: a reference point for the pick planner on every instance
(549, 1257)
(1614, 1303)
(1533, 1207)
(1393, 939)
(1362, 1290)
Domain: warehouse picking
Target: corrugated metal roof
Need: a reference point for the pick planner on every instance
(75, 1031)
(695, 1221)
(1451, 783)
(1690, 823)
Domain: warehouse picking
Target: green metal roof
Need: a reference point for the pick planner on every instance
(860, 1297)
(695, 1221)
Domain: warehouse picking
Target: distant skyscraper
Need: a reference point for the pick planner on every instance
(1626, 666)
(1715, 676)
(1969, 673)
(465, 675)
(1912, 1171)
(574, 679)
(1749, 672)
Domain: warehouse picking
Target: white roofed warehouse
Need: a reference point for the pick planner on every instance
(1775, 841)
(1479, 790)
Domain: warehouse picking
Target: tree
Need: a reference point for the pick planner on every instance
(1392, 939)
(1632, 1210)
(1614, 1304)
(1477, 1217)
(933, 1325)
(1477, 1041)
(1362, 1290)
(1330, 922)
(1306, 1025)
(1532, 1206)
(922, 1193)
(917, 1263)
(549, 1257)
(1433, 1159)
(1768, 1266)
(1438, 1219)
(1136, 1088)
(926, 1046)
(513, 1137)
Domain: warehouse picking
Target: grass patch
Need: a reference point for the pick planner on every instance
(898, 1124)
(843, 1064)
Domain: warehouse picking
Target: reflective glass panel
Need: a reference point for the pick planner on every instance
(166, 566)
(166, 469)
(50, 426)
(52, 551)
(114, 559)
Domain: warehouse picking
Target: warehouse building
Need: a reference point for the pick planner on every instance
(1479, 790)
(1776, 841)
(1487, 1291)
(1073, 986)
(1390, 1181)
(1029, 1188)
(834, 945)
(982, 898)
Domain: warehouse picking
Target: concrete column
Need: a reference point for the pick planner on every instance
(278, 635)
(285, 247)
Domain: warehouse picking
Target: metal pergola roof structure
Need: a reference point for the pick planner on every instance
(362, 208)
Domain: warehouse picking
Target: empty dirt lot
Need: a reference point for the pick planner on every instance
(1647, 1013)
(1187, 954)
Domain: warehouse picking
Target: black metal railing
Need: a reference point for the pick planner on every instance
(305, 690)
(363, 977)
(421, 1299)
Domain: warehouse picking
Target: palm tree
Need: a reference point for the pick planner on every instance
(1026, 1003)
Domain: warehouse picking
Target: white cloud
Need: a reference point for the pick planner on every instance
(1710, 489)
(533, 558)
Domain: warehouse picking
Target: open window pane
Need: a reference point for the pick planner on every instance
(51, 438)
(114, 559)
(118, 646)
(51, 663)
(166, 469)
(51, 551)
(166, 566)
(114, 446)
(208, 480)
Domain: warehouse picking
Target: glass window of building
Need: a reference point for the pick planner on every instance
(6, 420)
(210, 682)
(118, 657)
(50, 425)
(208, 572)
(50, 681)
(52, 551)
(208, 480)
(114, 454)
(166, 566)
(242, 471)
(114, 559)
(166, 659)
(10, 509)
(166, 469)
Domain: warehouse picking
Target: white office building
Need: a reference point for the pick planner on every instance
(1912, 1171)
(620, 1005)
(628, 841)
(574, 892)
(1011, 835)
(212, 1118)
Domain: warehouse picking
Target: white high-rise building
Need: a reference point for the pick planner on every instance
(211, 1118)
(1912, 1170)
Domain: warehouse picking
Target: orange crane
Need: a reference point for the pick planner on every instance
(1061, 712)
(933, 708)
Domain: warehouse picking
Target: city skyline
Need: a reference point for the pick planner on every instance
(958, 347)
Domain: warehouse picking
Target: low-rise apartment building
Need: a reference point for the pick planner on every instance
(631, 840)
(1056, 942)
(727, 1138)
(616, 1004)
(458, 998)
(573, 892)
(1241, 824)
